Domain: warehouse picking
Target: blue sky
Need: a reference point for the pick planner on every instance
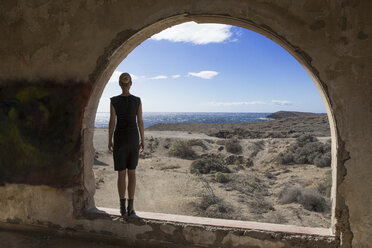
(214, 68)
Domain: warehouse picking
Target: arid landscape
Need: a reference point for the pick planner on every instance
(276, 171)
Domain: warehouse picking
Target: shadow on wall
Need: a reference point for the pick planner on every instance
(40, 124)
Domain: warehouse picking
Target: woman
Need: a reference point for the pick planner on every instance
(126, 146)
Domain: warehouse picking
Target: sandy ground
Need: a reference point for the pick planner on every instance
(165, 184)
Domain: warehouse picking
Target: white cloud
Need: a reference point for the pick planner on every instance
(238, 32)
(232, 103)
(282, 102)
(204, 74)
(176, 76)
(159, 77)
(257, 102)
(198, 34)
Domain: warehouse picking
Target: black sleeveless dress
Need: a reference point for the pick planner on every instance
(126, 138)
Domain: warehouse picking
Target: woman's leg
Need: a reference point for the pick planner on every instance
(121, 183)
(131, 183)
(131, 190)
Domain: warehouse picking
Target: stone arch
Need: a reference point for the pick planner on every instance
(127, 41)
(66, 47)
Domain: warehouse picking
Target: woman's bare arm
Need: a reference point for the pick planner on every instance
(111, 127)
(140, 126)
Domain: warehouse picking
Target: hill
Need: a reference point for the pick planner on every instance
(286, 114)
(281, 127)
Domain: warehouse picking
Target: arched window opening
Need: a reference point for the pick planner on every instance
(235, 129)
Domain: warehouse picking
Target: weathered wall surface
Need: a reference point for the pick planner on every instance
(56, 56)
(40, 133)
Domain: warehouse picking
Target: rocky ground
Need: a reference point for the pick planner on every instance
(234, 176)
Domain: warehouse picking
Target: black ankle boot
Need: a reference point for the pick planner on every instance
(122, 207)
(130, 209)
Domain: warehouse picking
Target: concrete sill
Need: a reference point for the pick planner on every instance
(234, 224)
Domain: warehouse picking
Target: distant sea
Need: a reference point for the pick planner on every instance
(152, 118)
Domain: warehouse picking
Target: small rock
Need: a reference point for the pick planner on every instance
(239, 167)
(144, 155)
(220, 142)
(249, 163)
(269, 175)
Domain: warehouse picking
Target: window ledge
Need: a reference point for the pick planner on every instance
(236, 224)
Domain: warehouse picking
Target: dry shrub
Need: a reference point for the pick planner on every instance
(197, 142)
(285, 158)
(238, 160)
(323, 160)
(233, 146)
(289, 195)
(325, 185)
(211, 205)
(254, 185)
(307, 150)
(259, 205)
(181, 149)
(249, 185)
(170, 167)
(208, 165)
(275, 217)
(251, 181)
(208, 200)
(305, 139)
(215, 207)
(312, 201)
(309, 199)
(221, 177)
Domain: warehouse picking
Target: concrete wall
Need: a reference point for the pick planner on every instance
(56, 57)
